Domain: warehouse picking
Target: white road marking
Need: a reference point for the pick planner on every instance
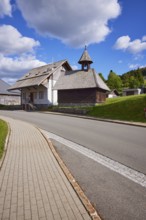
(127, 172)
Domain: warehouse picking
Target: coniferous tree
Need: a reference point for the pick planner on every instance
(102, 77)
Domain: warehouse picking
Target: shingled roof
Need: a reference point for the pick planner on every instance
(36, 76)
(80, 79)
(85, 57)
(4, 89)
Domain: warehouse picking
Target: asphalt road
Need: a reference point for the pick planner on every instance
(114, 196)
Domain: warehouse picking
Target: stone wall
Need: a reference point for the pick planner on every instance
(10, 100)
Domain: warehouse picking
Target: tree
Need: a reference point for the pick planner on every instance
(133, 78)
(102, 77)
(125, 80)
(139, 77)
(114, 81)
(133, 82)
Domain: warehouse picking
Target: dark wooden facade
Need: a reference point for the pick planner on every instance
(81, 87)
(81, 96)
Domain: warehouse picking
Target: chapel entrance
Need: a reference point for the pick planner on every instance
(31, 97)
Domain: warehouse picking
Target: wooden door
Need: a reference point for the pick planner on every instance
(31, 97)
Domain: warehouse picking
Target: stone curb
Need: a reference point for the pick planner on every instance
(85, 201)
(6, 145)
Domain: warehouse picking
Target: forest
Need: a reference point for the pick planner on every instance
(132, 79)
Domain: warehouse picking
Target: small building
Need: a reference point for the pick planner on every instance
(134, 91)
(113, 94)
(7, 97)
(81, 87)
(37, 85)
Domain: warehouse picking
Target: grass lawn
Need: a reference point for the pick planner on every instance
(127, 108)
(3, 134)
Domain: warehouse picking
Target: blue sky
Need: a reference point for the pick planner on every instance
(37, 32)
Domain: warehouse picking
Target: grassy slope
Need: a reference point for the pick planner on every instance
(3, 134)
(128, 108)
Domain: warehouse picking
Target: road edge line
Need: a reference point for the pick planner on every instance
(83, 198)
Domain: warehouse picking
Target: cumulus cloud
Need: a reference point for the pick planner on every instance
(133, 66)
(136, 66)
(75, 22)
(144, 38)
(5, 8)
(13, 68)
(16, 54)
(12, 42)
(135, 46)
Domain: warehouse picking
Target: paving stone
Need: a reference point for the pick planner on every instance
(33, 186)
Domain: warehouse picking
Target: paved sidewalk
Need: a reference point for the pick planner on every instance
(32, 184)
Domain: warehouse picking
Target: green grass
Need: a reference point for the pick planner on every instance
(10, 107)
(127, 108)
(3, 134)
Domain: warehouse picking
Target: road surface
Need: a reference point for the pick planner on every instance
(114, 196)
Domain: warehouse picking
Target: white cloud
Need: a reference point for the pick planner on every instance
(5, 8)
(144, 38)
(74, 67)
(122, 42)
(10, 81)
(133, 66)
(14, 68)
(135, 46)
(12, 42)
(16, 54)
(136, 66)
(73, 22)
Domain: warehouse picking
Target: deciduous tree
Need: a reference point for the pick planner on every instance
(114, 81)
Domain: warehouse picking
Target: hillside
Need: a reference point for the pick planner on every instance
(129, 108)
(134, 72)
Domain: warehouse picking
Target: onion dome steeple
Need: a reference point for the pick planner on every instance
(85, 60)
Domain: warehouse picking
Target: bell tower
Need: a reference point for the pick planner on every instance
(85, 60)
